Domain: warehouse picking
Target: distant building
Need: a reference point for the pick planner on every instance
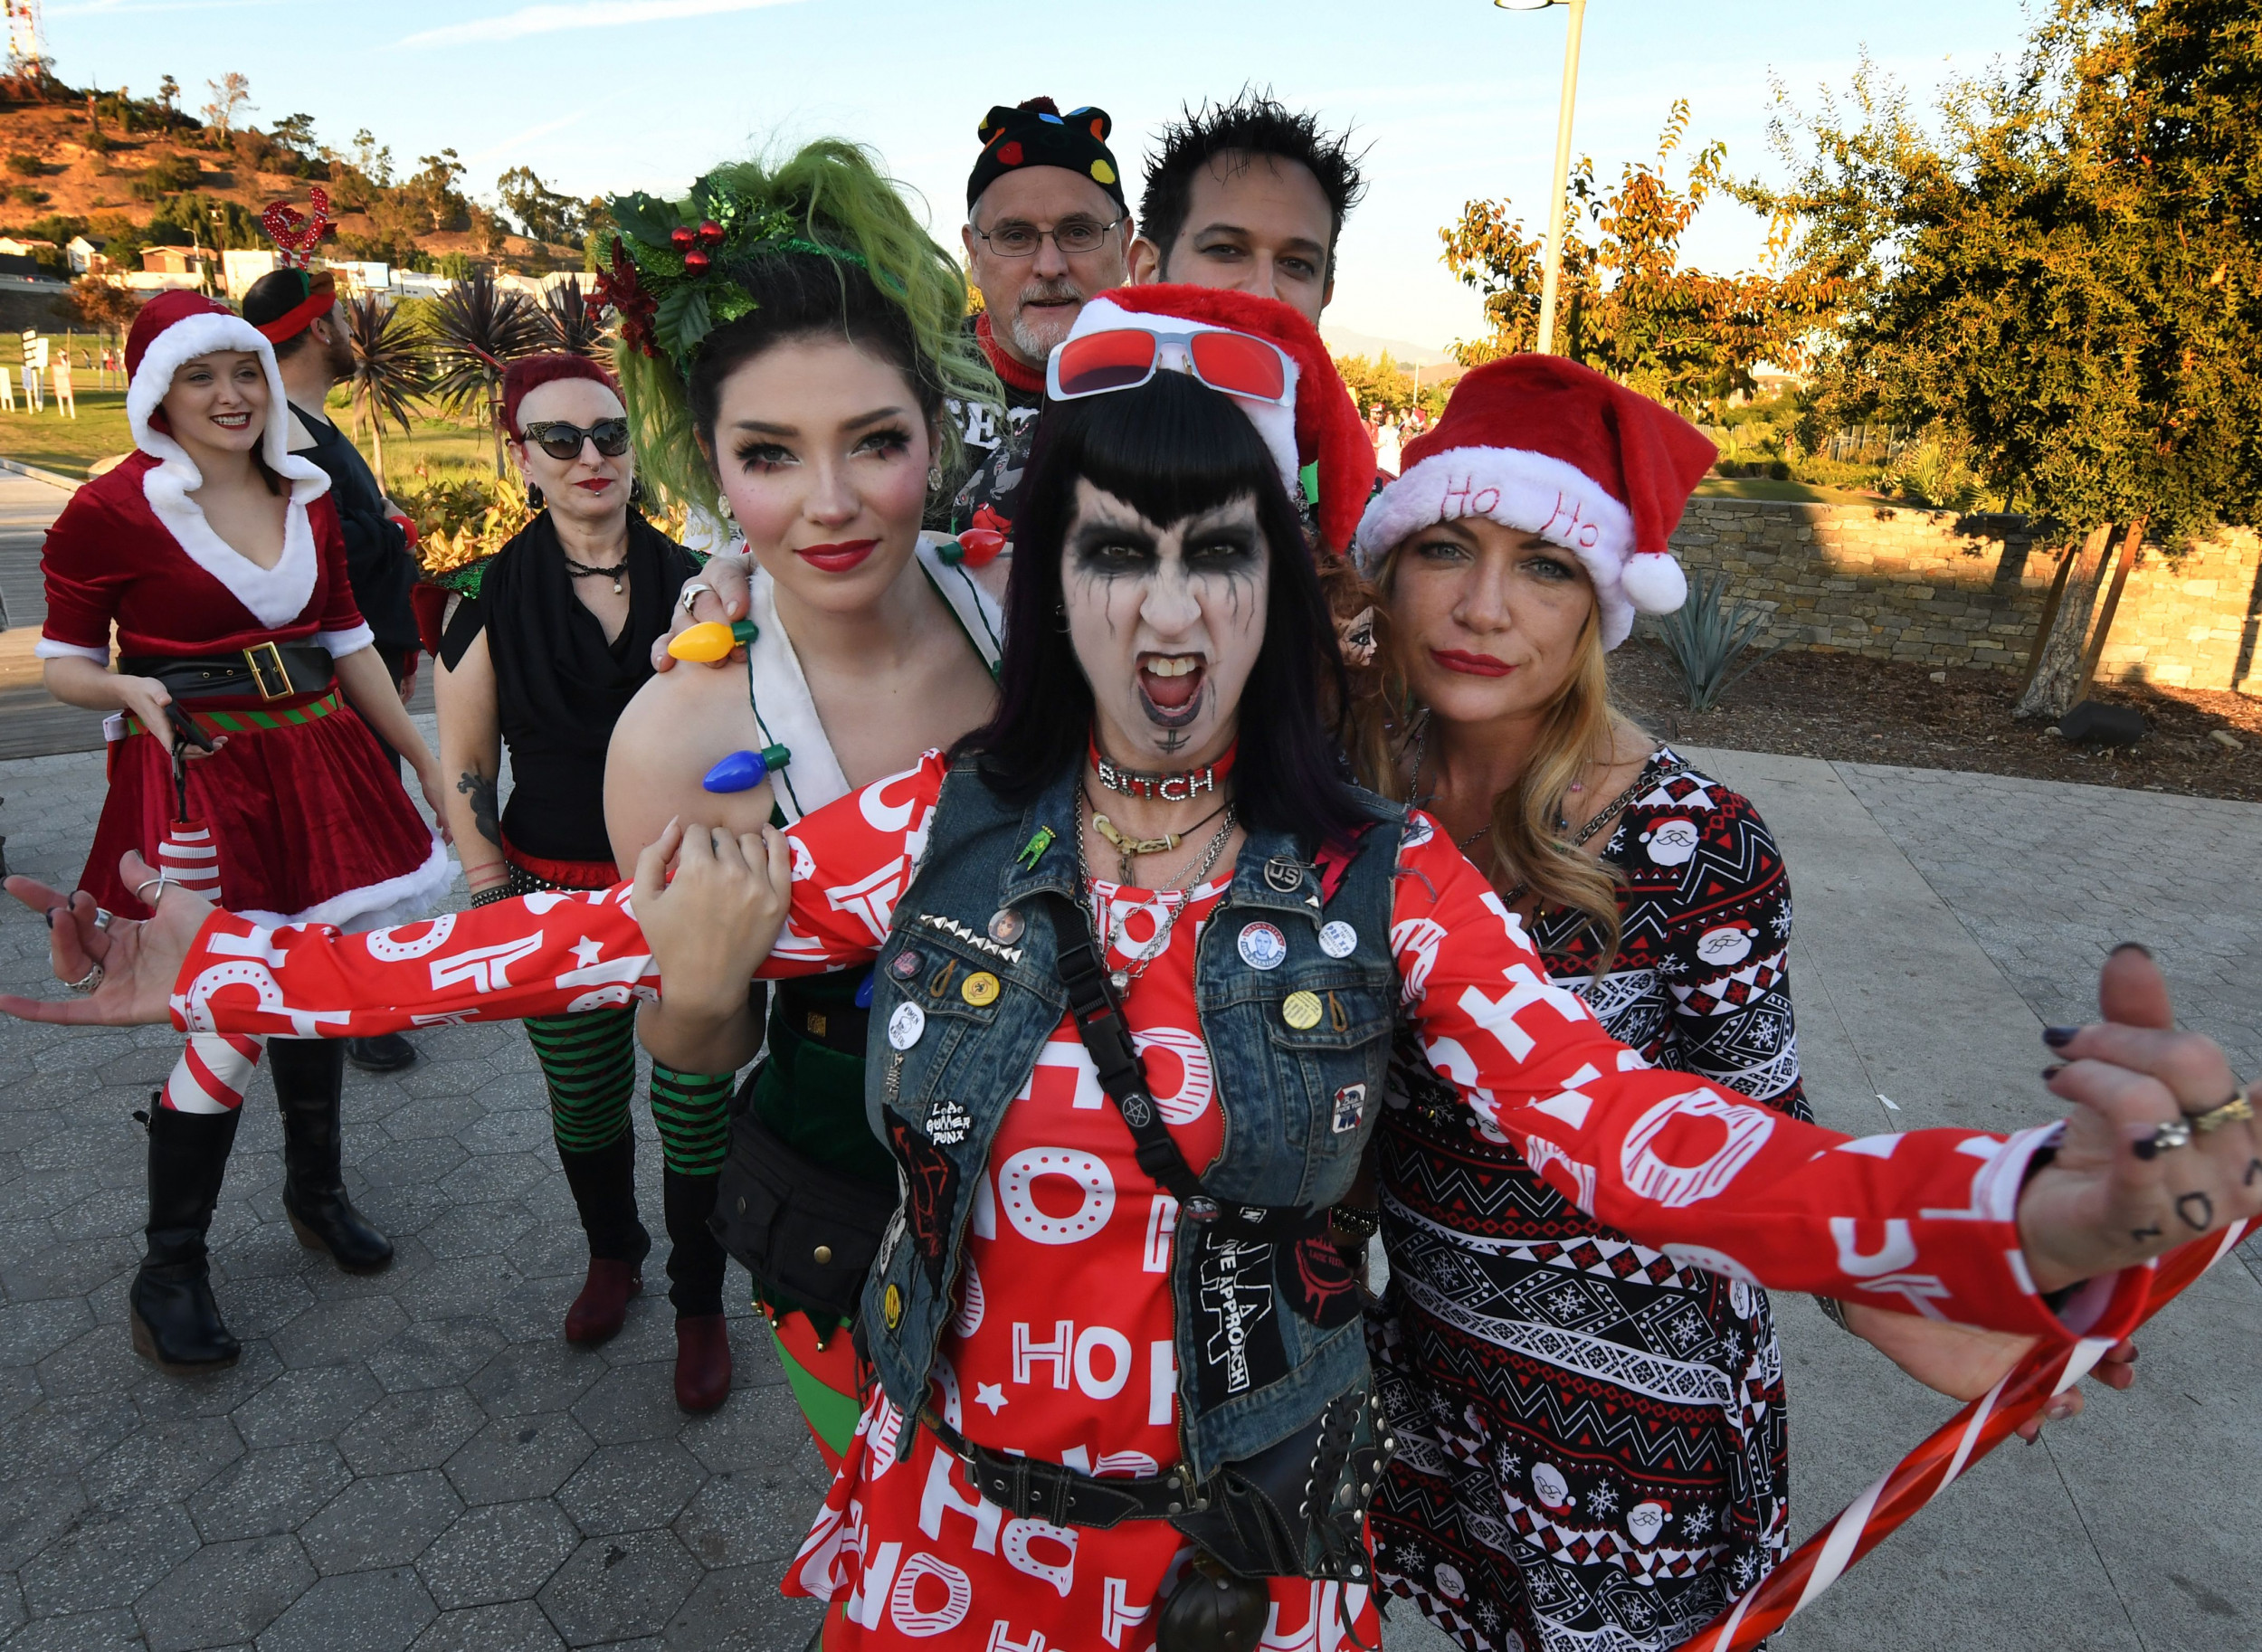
(25, 246)
(241, 266)
(178, 261)
(87, 255)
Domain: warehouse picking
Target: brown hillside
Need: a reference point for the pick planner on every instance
(74, 180)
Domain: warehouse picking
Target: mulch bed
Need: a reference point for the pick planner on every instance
(1845, 708)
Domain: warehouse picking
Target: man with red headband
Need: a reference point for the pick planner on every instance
(298, 312)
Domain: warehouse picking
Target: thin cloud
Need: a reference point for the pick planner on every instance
(588, 14)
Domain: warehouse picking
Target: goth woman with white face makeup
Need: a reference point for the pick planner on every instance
(1119, 1387)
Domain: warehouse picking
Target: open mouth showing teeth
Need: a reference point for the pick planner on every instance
(232, 421)
(1171, 685)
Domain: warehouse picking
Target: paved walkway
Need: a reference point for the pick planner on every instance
(417, 1459)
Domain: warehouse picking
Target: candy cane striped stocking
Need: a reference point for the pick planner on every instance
(213, 1073)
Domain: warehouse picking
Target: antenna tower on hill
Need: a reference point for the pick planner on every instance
(27, 53)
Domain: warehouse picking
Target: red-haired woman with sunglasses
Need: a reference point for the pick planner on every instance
(551, 639)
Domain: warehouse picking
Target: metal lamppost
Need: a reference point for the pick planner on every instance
(1551, 274)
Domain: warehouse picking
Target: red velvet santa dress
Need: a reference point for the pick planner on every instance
(307, 816)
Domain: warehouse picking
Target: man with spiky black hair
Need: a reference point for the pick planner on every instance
(1251, 195)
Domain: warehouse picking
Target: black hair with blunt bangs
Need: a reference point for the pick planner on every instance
(1170, 447)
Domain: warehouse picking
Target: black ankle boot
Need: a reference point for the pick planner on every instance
(174, 1319)
(696, 1258)
(309, 1075)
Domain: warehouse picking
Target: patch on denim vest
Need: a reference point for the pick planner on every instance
(930, 1192)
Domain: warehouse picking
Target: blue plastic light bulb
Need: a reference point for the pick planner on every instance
(743, 771)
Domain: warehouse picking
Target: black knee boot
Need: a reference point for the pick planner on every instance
(174, 1321)
(309, 1075)
(695, 1256)
(605, 1192)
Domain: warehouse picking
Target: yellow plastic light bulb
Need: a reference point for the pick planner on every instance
(703, 644)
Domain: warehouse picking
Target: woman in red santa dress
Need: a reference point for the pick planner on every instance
(1121, 1397)
(215, 555)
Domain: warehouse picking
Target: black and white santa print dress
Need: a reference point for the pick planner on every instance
(1592, 1434)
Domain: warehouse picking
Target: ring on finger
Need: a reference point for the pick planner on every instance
(2237, 1110)
(89, 982)
(2176, 1132)
(104, 918)
(691, 594)
(161, 880)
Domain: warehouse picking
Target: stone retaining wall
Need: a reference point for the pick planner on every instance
(1950, 590)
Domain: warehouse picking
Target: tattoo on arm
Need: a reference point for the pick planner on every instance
(2198, 1211)
(481, 792)
(2140, 1234)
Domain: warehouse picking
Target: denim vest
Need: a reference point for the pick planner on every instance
(1297, 1103)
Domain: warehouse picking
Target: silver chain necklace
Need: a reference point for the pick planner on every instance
(1191, 877)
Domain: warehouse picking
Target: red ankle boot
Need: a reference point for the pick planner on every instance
(702, 1363)
(597, 1313)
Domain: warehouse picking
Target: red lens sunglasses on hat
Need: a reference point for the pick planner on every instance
(1122, 359)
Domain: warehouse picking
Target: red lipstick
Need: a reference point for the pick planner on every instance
(837, 558)
(1470, 665)
(595, 484)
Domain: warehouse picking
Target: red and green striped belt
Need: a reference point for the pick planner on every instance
(253, 722)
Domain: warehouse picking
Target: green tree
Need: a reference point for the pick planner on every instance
(168, 93)
(230, 95)
(2065, 276)
(296, 132)
(542, 212)
(1626, 305)
(476, 329)
(102, 306)
(390, 367)
(433, 185)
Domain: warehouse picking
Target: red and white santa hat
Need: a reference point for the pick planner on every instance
(1321, 425)
(173, 329)
(1543, 444)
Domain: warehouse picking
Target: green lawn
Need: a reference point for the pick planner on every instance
(1762, 487)
(70, 445)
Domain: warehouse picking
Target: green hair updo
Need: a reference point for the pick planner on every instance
(756, 255)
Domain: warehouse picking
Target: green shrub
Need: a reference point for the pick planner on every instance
(1705, 636)
(25, 165)
(23, 194)
(1779, 471)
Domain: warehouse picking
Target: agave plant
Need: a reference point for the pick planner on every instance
(476, 328)
(576, 325)
(388, 367)
(1705, 635)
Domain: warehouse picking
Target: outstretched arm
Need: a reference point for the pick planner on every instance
(1948, 1224)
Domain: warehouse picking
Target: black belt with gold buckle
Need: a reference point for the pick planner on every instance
(272, 671)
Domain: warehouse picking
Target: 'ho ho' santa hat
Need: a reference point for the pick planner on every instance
(1323, 425)
(1543, 444)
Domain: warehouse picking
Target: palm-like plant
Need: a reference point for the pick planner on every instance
(388, 367)
(476, 328)
(576, 325)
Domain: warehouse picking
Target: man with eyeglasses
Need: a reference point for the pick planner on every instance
(1047, 228)
(302, 315)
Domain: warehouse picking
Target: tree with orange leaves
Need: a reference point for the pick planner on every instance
(1626, 305)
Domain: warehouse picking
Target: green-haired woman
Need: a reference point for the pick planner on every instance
(789, 335)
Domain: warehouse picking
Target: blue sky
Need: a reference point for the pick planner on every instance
(1457, 99)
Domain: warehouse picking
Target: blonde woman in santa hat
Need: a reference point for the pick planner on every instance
(217, 556)
(1594, 1431)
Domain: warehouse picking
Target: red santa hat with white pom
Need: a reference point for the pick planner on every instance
(1320, 424)
(1543, 444)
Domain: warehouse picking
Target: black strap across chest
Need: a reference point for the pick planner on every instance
(1123, 1075)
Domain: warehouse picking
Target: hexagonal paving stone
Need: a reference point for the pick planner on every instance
(741, 1611)
(435, 1353)
(111, 1631)
(168, 1457)
(528, 1377)
(516, 1626)
(632, 1402)
(264, 1493)
(617, 1586)
(505, 1551)
(519, 1457)
(31, 1330)
(386, 1521)
(631, 1487)
(333, 1331)
(422, 1428)
(361, 1612)
(489, 1229)
(40, 1508)
(214, 1394)
(753, 1516)
(107, 1557)
(306, 1405)
(223, 1592)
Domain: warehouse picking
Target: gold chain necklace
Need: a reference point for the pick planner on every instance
(1192, 878)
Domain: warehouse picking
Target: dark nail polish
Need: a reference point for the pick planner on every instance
(2057, 1038)
(2049, 1073)
(2146, 1149)
(2133, 946)
(51, 915)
